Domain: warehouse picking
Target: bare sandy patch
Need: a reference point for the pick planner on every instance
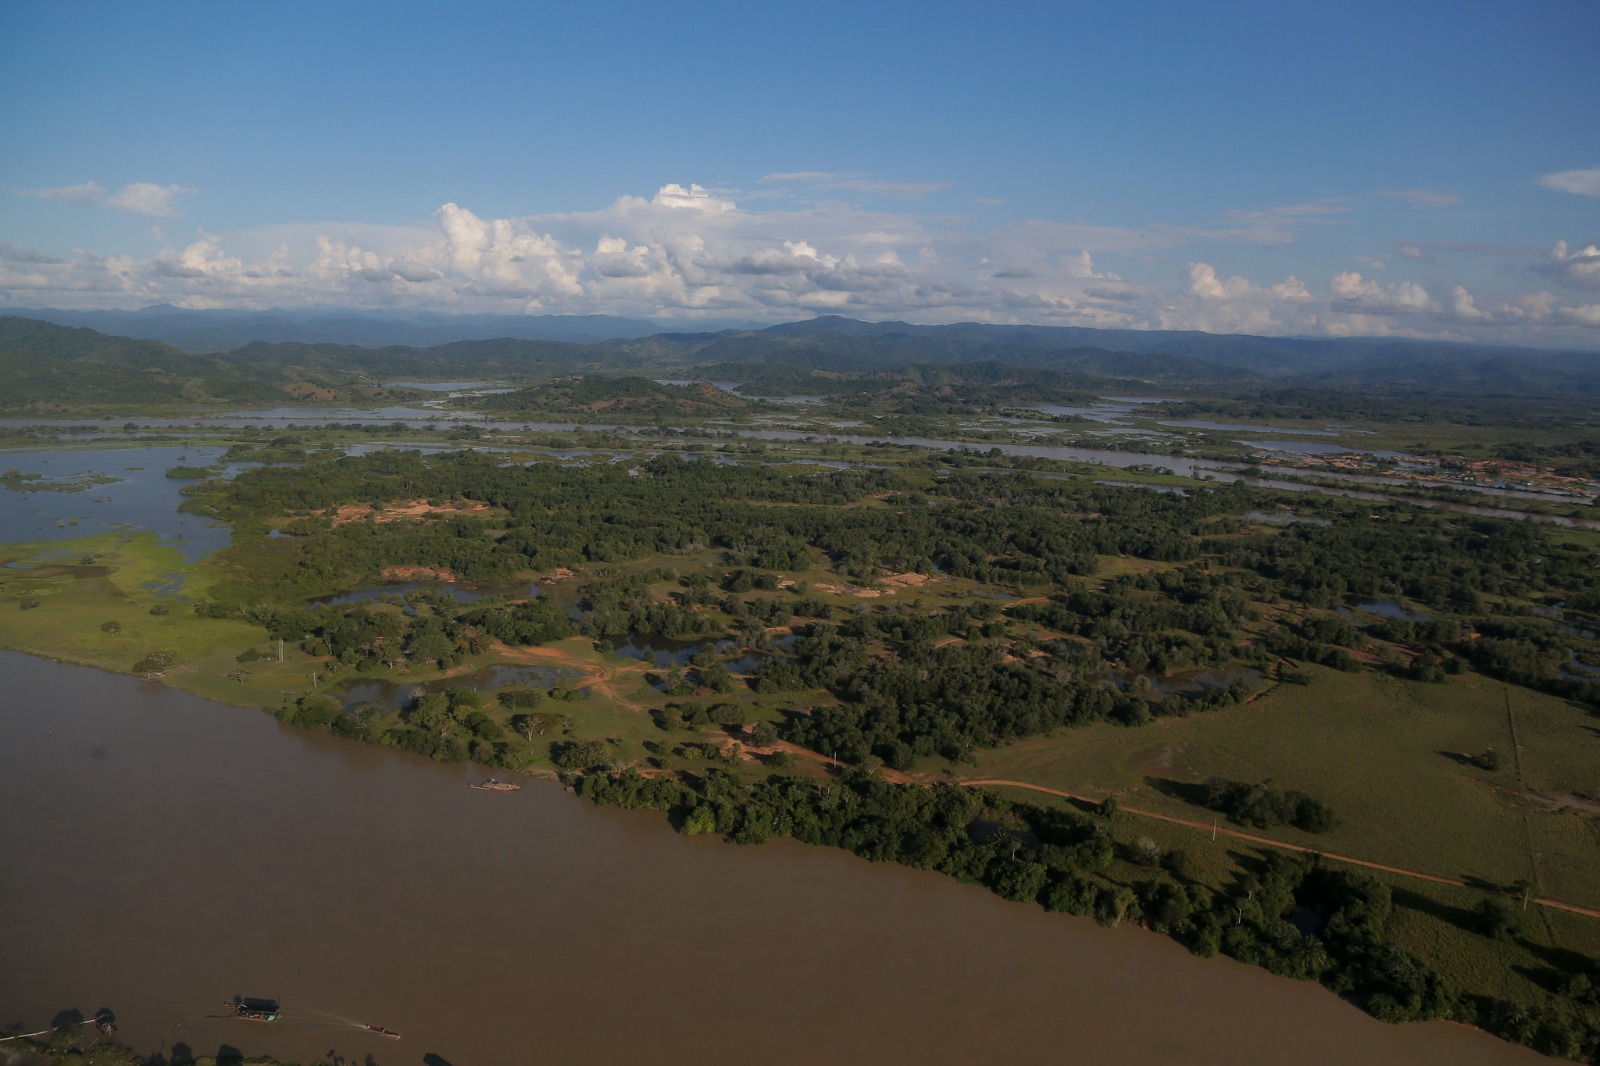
(888, 586)
(402, 510)
(1556, 802)
(418, 573)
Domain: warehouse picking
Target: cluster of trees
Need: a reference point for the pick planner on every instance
(1448, 562)
(633, 397)
(535, 621)
(1263, 806)
(1191, 622)
(1016, 532)
(619, 604)
(426, 634)
(990, 527)
(449, 726)
(978, 385)
(997, 528)
(947, 702)
(1292, 641)
(1534, 653)
(1575, 457)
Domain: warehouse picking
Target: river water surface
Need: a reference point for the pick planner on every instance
(164, 853)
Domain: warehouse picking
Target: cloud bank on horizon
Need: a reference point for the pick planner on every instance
(690, 253)
(1430, 169)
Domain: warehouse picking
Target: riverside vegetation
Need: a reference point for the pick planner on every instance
(761, 646)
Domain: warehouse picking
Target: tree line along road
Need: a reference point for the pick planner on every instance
(1269, 842)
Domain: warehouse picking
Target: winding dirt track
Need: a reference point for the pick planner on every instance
(601, 678)
(1252, 838)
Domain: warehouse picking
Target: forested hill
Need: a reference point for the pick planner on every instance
(806, 354)
(735, 355)
(989, 382)
(53, 369)
(1308, 357)
(835, 345)
(638, 397)
(223, 330)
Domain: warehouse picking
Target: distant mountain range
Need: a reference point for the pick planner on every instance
(793, 353)
(1157, 357)
(221, 331)
(1320, 358)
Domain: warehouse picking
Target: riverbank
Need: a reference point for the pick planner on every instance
(370, 873)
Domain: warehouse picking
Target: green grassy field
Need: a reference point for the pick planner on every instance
(95, 596)
(1437, 922)
(1385, 753)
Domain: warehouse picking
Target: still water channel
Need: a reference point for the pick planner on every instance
(163, 853)
(1214, 470)
(133, 493)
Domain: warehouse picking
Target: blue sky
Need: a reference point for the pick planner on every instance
(1420, 169)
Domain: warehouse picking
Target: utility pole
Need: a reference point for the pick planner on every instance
(280, 649)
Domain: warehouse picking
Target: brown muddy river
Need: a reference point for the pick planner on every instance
(163, 853)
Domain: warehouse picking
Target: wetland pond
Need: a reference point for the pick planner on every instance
(165, 853)
(395, 695)
(84, 491)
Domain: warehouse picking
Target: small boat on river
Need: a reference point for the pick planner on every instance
(254, 1010)
(493, 785)
(381, 1031)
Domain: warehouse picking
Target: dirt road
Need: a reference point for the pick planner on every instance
(1211, 827)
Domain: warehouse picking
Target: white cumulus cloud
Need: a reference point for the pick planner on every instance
(1204, 283)
(1463, 306)
(1235, 304)
(1579, 267)
(1588, 315)
(687, 251)
(1375, 297)
(694, 198)
(139, 198)
(1577, 182)
(147, 198)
